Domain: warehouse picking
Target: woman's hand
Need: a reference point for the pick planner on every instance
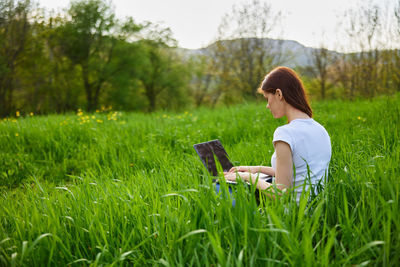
(250, 169)
(230, 176)
(253, 169)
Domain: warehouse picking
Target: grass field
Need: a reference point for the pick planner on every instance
(114, 188)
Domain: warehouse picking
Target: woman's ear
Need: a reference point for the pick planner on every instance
(279, 94)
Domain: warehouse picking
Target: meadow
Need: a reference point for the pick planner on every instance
(127, 189)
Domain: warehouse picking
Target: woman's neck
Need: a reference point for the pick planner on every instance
(293, 114)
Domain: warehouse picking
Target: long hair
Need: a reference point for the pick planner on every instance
(291, 86)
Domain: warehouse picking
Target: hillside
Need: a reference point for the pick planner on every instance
(297, 54)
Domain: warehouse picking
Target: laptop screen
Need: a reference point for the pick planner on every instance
(206, 152)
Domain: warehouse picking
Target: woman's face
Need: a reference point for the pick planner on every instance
(275, 103)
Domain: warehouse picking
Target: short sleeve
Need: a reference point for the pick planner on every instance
(282, 134)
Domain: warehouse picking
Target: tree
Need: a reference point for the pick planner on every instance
(14, 29)
(201, 84)
(46, 81)
(163, 74)
(363, 31)
(320, 60)
(123, 91)
(395, 62)
(243, 53)
(88, 39)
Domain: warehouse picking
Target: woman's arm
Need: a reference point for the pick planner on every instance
(283, 172)
(284, 165)
(254, 169)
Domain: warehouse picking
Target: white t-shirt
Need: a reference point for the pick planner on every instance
(310, 145)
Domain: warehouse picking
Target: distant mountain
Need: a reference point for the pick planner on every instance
(296, 53)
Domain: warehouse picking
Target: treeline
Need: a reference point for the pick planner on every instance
(87, 58)
(373, 31)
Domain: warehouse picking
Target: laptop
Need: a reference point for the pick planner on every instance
(214, 150)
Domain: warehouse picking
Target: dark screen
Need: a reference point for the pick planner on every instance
(221, 154)
(207, 150)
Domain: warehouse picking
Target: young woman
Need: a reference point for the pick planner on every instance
(302, 146)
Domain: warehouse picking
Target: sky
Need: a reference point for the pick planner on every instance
(194, 23)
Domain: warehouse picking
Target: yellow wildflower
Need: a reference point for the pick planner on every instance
(31, 114)
(16, 134)
(17, 113)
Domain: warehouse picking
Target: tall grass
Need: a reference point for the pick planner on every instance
(128, 189)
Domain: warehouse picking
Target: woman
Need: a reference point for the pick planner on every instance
(302, 146)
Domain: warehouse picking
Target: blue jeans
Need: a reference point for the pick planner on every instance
(217, 189)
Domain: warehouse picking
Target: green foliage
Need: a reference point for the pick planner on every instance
(123, 91)
(88, 39)
(14, 30)
(128, 189)
(85, 57)
(48, 81)
(163, 77)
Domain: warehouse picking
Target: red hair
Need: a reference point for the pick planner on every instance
(291, 86)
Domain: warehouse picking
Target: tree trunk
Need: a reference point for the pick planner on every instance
(151, 97)
(88, 89)
(6, 91)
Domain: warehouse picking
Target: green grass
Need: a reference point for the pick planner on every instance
(128, 189)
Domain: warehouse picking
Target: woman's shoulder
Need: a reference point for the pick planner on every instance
(304, 123)
(294, 125)
(301, 127)
(283, 133)
(286, 128)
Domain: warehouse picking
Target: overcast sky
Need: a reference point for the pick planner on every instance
(194, 22)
